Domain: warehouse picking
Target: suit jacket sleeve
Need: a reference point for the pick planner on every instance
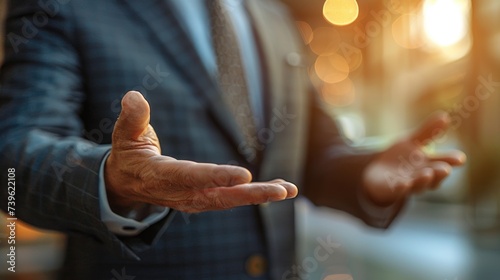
(334, 169)
(42, 94)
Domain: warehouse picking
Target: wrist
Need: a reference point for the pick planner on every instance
(118, 199)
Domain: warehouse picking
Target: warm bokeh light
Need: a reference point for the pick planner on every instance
(338, 277)
(305, 31)
(341, 12)
(406, 30)
(446, 22)
(26, 233)
(339, 94)
(403, 6)
(325, 40)
(331, 68)
(353, 56)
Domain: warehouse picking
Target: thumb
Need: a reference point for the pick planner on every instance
(433, 127)
(134, 117)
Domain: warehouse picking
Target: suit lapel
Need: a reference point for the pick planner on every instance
(284, 155)
(271, 61)
(172, 38)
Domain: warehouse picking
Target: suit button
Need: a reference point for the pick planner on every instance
(256, 265)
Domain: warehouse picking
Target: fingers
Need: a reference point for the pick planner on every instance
(195, 187)
(134, 117)
(428, 177)
(433, 127)
(192, 175)
(183, 185)
(292, 190)
(245, 194)
(453, 158)
(422, 180)
(431, 176)
(441, 171)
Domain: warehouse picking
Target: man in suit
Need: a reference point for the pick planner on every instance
(122, 191)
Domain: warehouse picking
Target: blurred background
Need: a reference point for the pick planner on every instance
(382, 67)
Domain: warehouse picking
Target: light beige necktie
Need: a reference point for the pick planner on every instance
(231, 74)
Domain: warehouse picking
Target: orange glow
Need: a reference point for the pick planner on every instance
(331, 68)
(353, 56)
(341, 12)
(446, 22)
(403, 6)
(325, 40)
(339, 94)
(306, 31)
(406, 31)
(26, 232)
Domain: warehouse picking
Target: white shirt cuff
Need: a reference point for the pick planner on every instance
(121, 225)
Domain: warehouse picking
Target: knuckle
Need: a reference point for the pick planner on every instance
(215, 201)
(220, 177)
(266, 190)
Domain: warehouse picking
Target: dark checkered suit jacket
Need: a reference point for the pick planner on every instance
(67, 65)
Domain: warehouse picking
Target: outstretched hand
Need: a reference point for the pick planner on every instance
(136, 173)
(404, 168)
